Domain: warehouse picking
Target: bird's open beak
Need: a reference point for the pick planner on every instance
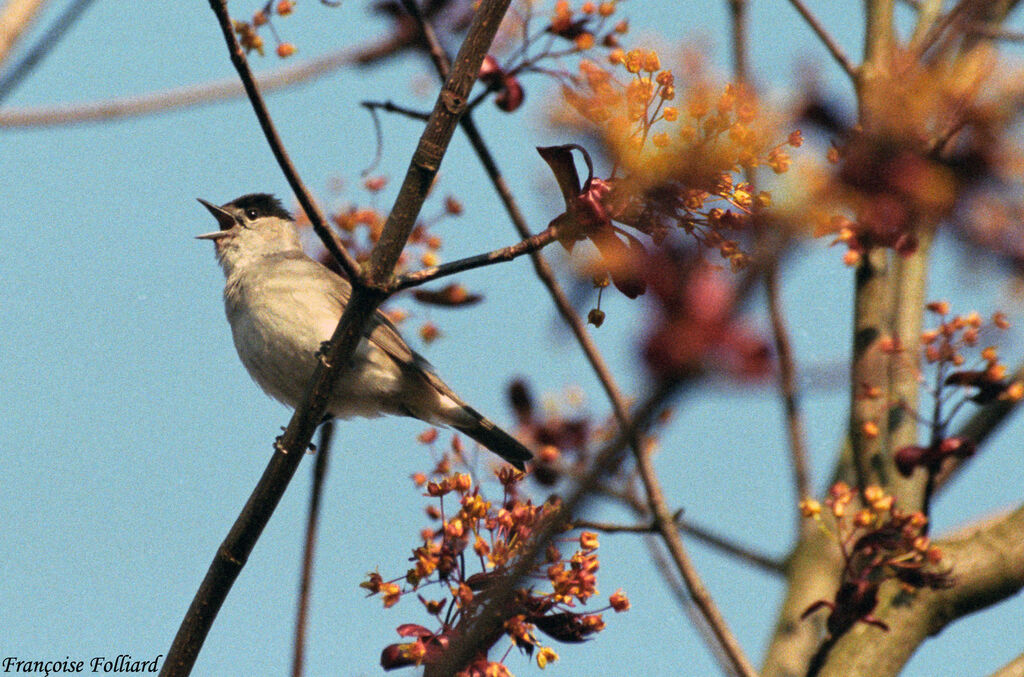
(224, 219)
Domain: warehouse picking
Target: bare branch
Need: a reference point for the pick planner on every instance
(996, 33)
(869, 381)
(527, 246)
(464, 646)
(323, 452)
(787, 385)
(910, 288)
(389, 107)
(659, 508)
(741, 552)
(826, 39)
(46, 42)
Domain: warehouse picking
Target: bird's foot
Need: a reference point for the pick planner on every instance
(321, 354)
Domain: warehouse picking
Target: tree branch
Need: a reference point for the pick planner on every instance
(110, 110)
(390, 107)
(988, 564)
(316, 217)
(659, 508)
(13, 76)
(527, 246)
(1014, 668)
(489, 618)
(983, 423)
(826, 39)
(365, 299)
(323, 452)
(910, 287)
(869, 380)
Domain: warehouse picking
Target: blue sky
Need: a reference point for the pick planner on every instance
(131, 434)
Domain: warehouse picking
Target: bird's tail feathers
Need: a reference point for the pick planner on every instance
(484, 431)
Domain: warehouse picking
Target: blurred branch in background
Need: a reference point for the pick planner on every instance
(47, 42)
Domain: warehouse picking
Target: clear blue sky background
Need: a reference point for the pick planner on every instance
(131, 435)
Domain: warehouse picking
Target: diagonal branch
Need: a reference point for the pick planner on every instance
(826, 39)
(527, 246)
(45, 44)
(316, 217)
(978, 427)
(489, 618)
(240, 541)
(773, 291)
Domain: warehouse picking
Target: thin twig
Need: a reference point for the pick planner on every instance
(996, 33)
(44, 44)
(312, 210)
(738, 14)
(527, 246)
(772, 285)
(613, 528)
(742, 552)
(705, 536)
(978, 428)
(323, 452)
(787, 385)
(939, 27)
(389, 107)
(826, 39)
(365, 299)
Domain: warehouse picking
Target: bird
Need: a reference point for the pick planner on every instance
(283, 305)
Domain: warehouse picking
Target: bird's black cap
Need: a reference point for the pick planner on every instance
(265, 204)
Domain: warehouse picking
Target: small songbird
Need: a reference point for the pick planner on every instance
(282, 306)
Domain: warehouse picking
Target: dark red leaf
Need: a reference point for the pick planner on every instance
(413, 630)
(511, 96)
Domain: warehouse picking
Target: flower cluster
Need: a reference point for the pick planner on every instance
(592, 24)
(697, 324)
(249, 31)
(878, 543)
(678, 154)
(984, 381)
(928, 138)
(563, 434)
(493, 537)
(565, 32)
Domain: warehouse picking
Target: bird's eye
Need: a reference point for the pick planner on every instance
(251, 214)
